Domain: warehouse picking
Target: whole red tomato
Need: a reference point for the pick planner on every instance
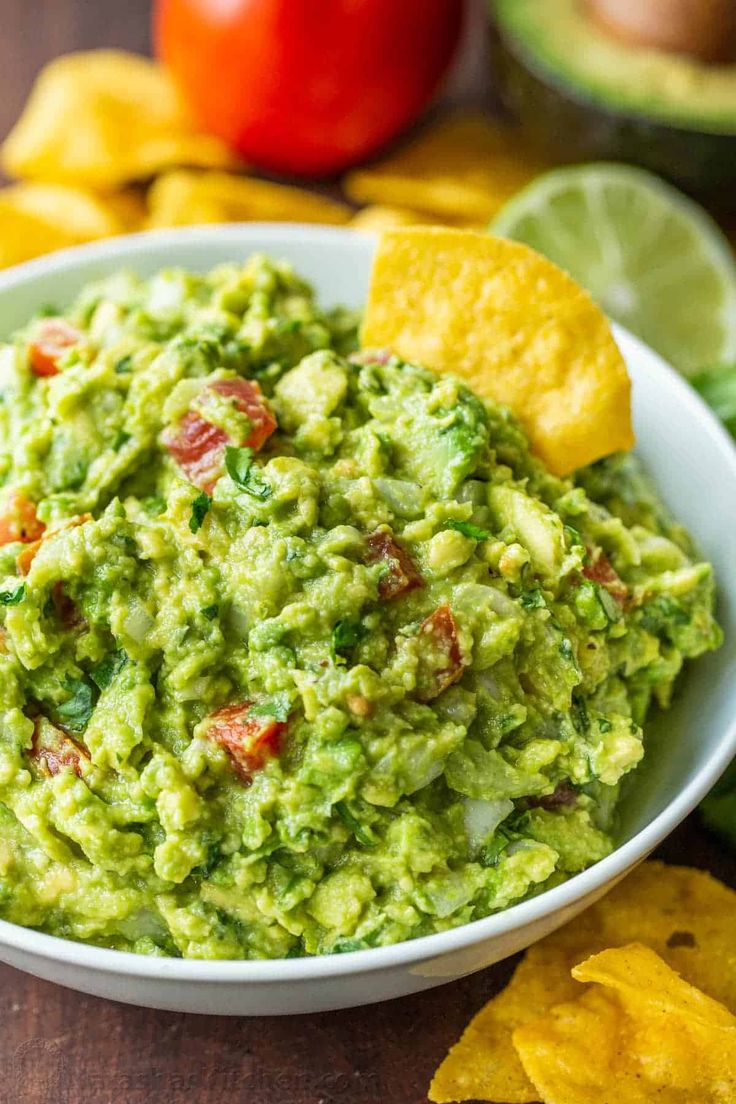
(306, 86)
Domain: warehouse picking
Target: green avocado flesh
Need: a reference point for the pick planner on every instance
(331, 667)
(558, 38)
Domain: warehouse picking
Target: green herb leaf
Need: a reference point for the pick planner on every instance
(245, 473)
(200, 509)
(124, 365)
(495, 847)
(533, 599)
(573, 536)
(277, 707)
(106, 670)
(210, 612)
(604, 725)
(467, 529)
(362, 832)
(346, 634)
(13, 597)
(579, 714)
(121, 438)
(75, 713)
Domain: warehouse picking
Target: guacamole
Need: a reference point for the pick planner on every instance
(301, 651)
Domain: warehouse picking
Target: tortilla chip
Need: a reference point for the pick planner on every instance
(465, 166)
(512, 324)
(103, 118)
(128, 206)
(184, 198)
(379, 217)
(647, 1035)
(684, 915)
(38, 218)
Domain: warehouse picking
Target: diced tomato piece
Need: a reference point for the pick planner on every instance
(402, 575)
(441, 661)
(28, 555)
(563, 794)
(198, 446)
(53, 338)
(249, 741)
(248, 399)
(66, 610)
(18, 521)
(53, 751)
(600, 570)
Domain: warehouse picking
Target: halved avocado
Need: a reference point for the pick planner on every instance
(582, 94)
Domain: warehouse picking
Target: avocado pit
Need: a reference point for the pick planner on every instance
(701, 29)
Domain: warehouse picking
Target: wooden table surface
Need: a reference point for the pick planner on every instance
(60, 1047)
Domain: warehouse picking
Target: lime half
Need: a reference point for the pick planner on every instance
(651, 257)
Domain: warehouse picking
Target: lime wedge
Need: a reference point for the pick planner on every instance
(651, 257)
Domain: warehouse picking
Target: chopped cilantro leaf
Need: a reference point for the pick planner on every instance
(210, 612)
(346, 634)
(533, 599)
(124, 365)
(76, 711)
(13, 597)
(245, 473)
(494, 848)
(200, 509)
(106, 670)
(467, 529)
(363, 833)
(277, 707)
(121, 438)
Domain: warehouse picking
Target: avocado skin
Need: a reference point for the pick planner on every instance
(559, 120)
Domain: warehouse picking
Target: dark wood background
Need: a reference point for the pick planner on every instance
(60, 1047)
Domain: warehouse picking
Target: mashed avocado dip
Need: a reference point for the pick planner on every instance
(301, 650)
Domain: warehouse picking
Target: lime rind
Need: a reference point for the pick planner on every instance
(653, 258)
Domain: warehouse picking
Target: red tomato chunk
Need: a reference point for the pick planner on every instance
(441, 659)
(198, 446)
(53, 339)
(402, 575)
(25, 558)
(249, 741)
(601, 571)
(18, 521)
(53, 751)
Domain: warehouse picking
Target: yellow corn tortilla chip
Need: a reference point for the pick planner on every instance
(379, 217)
(646, 1035)
(184, 198)
(38, 218)
(128, 206)
(464, 166)
(512, 324)
(103, 118)
(686, 916)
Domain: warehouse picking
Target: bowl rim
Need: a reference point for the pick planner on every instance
(414, 951)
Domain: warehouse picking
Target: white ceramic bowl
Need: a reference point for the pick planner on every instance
(694, 463)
